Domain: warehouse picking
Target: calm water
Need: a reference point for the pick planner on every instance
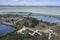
(47, 19)
(5, 29)
(34, 9)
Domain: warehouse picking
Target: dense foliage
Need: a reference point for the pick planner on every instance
(14, 36)
(30, 22)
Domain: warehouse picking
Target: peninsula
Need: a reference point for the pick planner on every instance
(29, 28)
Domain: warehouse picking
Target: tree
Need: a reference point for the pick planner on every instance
(31, 22)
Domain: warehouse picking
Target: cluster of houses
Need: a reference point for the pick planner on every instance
(31, 31)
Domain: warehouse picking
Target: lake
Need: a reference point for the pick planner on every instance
(5, 29)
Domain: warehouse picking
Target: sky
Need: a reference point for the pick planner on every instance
(30, 2)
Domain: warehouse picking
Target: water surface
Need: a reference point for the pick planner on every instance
(5, 29)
